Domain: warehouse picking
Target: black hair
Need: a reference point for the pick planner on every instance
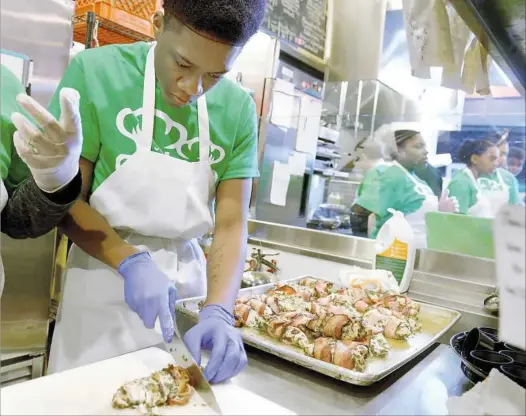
(401, 136)
(517, 153)
(230, 21)
(472, 147)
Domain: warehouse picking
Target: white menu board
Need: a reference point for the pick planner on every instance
(510, 253)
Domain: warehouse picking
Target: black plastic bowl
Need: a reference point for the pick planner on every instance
(490, 331)
(487, 360)
(515, 373)
(476, 339)
(519, 358)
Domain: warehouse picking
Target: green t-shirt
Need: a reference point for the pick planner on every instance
(463, 188)
(12, 169)
(110, 82)
(492, 183)
(369, 177)
(391, 188)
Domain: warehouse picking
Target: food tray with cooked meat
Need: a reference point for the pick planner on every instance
(355, 334)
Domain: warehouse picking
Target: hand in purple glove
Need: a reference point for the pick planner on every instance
(215, 331)
(149, 292)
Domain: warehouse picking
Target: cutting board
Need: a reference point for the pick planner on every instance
(460, 234)
(88, 390)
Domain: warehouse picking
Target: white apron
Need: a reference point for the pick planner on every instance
(497, 196)
(481, 208)
(417, 219)
(159, 204)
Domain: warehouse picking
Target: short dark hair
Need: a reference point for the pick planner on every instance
(517, 153)
(401, 136)
(472, 147)
(230, 21)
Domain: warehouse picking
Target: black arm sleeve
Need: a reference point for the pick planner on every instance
(30, 213)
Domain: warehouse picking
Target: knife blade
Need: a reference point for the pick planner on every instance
(183, 358)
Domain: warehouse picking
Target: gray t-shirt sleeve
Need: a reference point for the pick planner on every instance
(30, 213)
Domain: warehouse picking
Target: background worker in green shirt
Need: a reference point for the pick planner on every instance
(481, 157)
(165, 136)
(516, 158)
(39, 179)
(397, 187)
(500, 187)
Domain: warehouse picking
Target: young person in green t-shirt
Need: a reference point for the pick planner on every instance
(395, 186)
(500, 187)
(169, 145)
(481, 158)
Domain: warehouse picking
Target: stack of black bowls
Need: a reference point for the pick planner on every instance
(481, 350)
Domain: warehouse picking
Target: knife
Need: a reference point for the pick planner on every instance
(183, 358)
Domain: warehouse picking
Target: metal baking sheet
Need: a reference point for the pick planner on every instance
(435, 321)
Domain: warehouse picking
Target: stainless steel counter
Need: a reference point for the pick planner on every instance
(421, 387)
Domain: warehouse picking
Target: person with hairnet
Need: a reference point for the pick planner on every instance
(397, 187)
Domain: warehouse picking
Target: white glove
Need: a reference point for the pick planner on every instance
(51, 152)
(447, 203)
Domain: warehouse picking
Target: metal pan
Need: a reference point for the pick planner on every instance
(435, 320)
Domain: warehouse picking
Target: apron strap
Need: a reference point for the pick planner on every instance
(417, 183)
(204, 130)
(475, 182)
(148, 102)
(503, 184)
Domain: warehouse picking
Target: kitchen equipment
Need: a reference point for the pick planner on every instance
(288, 135)
(435, 322)
(472, 367)
(182, 357)
(490, 331)
(492, 302)
(88, 390)
(519, 358)
(251, 279)
(470, 375)
(512, 348)
(516, 373)
(478, 340)
(472, 372)
(487, 360)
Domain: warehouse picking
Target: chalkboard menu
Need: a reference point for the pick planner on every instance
(300, 22)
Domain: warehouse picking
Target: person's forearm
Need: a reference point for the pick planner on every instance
(91, 232)
(30, 213)
(225, 265)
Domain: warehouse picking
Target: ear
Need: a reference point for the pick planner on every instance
(158, 23)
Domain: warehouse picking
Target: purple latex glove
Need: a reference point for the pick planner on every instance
(149, 292)
(215, 331)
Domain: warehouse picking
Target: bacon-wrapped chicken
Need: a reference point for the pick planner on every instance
(378, 346)
(400, 304)
(339, 326)
(376, 322)
(350, 355)
(168, 387)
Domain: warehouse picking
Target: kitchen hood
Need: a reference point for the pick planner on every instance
(501, 27)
